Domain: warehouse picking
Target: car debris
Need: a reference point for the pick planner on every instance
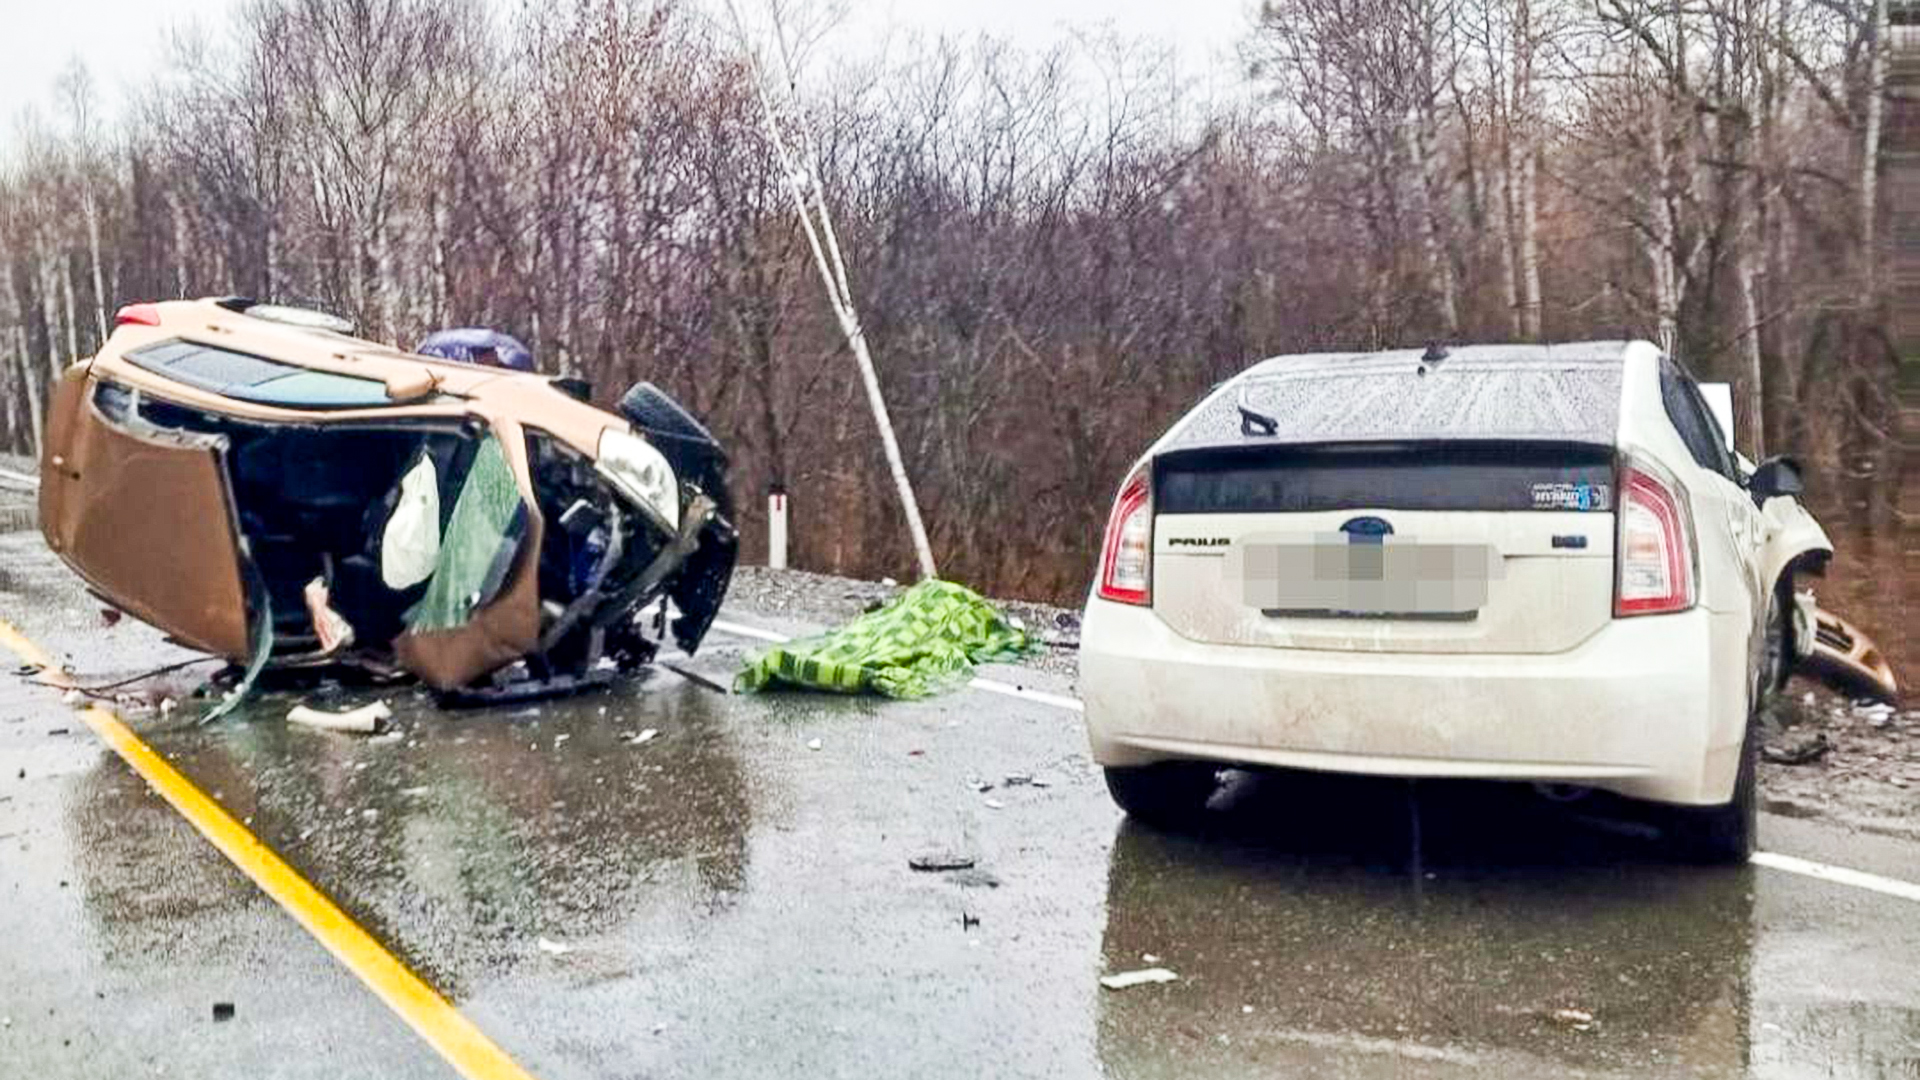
(1799, 752)
(1840, 655)
(364, 720)
(923, 641)
(1142, 977)
(339, 502)
(1577, 1019)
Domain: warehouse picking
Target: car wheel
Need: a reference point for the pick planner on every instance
(1725, 834)
(1779, 646)
(1164, 793)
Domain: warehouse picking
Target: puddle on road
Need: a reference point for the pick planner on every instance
(1303, 943)
(1302, 938)
(471, 835)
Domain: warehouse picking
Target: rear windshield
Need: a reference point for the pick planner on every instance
(1428, 476)
(1485, 392)
(246, 377)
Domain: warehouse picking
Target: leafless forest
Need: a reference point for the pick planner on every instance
(1055, 250)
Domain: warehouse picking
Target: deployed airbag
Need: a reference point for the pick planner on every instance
(410, 544)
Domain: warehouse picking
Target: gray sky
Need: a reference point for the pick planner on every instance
(123, 41)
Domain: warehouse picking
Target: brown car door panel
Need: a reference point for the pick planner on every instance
(145, 515)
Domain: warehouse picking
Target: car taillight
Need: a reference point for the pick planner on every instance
(1654, 554)
(137, 315)
(1126, 555)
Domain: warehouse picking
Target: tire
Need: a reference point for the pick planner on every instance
(1167, 793)
(1778, 661)
(1724, 835)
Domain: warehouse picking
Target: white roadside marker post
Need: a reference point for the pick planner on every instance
(777, 527)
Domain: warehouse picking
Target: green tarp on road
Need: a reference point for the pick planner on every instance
(926, 639)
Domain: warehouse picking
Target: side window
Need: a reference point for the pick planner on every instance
(1691, 417)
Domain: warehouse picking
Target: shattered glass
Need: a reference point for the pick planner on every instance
(478, 545)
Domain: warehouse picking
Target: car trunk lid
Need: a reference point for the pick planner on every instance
(1423, 547)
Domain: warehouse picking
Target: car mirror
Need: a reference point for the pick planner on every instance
(1776, 476)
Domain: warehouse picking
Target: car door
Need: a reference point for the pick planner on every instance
(1733, 533)
(145, 515)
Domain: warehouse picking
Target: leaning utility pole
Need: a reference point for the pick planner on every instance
(802, 181)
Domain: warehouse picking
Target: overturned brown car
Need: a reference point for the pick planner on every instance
(263, 486)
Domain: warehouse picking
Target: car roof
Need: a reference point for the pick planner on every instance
(1562, 392)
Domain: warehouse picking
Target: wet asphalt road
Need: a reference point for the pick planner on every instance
(733, 903)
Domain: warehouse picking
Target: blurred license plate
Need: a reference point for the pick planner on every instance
(1335, 575)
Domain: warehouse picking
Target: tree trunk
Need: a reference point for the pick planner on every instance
(65, 270)
(1870, 150)
(1756, 386)
(1527, 169)
(100, 298)
(1432, 205)
(49, 316)
(33, 386)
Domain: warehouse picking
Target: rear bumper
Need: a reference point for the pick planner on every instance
(1633, 709)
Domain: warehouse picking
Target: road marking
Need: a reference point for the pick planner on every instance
(1839, 875)
(992, 686)
(436, 1020)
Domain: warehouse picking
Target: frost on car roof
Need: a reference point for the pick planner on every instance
(1563, 392)
(246, 377)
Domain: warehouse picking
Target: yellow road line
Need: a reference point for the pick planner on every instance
(434, 1017)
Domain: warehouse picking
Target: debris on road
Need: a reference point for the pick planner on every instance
(1846, 659)
(332, 628)
(364, 720)
(646, 736)
(551, 947)
(993, 804)
(941, 860)
(222, 1011)
(924, 641)
(1577, 1019)
(813, 744)
(1798, 752)
(1124, 979)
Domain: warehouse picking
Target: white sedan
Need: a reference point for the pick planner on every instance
(1525, 563)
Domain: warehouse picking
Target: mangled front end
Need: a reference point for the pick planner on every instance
(557, 565)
